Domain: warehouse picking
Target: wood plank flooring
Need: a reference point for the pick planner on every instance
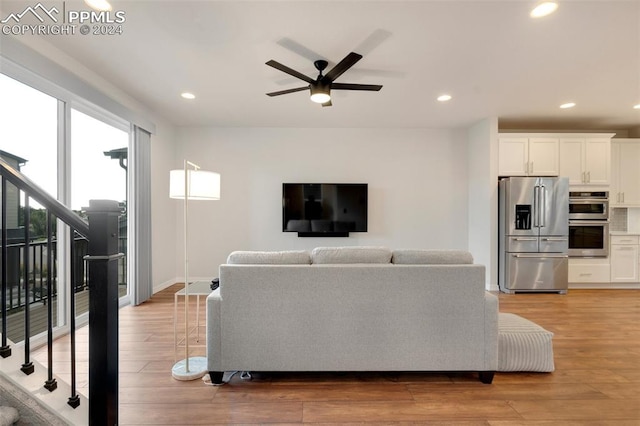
(596, 382)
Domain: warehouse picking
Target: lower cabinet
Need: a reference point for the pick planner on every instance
(625, 259)
(589, 270)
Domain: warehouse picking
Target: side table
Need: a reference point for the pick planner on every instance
(196, 288)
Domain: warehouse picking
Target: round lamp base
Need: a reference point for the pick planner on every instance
(197, 368)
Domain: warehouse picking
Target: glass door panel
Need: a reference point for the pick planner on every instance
(99, 161)
(29, 143)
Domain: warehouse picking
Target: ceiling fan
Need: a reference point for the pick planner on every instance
(321, 87)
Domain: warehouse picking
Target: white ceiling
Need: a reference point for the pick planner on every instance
(489, 55)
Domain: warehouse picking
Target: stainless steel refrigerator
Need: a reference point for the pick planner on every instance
(533, 234)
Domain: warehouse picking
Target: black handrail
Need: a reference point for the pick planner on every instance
(56, 208)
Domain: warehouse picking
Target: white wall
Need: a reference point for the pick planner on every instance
(417, 187)
(483, 197)
(163, 220)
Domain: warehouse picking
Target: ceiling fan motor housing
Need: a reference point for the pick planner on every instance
(320, 65)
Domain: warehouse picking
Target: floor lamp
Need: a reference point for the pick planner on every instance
(188, 184)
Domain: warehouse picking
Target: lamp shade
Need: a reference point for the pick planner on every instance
(202, 185)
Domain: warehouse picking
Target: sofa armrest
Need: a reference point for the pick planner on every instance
(214, 331)
(491, 330)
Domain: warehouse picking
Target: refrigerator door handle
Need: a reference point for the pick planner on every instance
(525, 239)
(543, 206)
(541, 255)
(554, 239)
(536, 201)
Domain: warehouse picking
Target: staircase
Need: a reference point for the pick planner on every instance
(31, 287)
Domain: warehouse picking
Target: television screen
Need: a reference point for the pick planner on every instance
(324, 208)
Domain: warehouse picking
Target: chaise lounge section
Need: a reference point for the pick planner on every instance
(352, 309)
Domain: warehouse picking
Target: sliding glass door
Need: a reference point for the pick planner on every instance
(76, 154)
(99, 168)
(29, 143)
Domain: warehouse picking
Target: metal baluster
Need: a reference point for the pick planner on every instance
(18, 284)
(74, 399)
(51, 383)
(41, 280)
(5, 349)
(27, 368)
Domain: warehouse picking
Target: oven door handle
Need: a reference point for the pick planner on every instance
(541, 255)
(604, 222)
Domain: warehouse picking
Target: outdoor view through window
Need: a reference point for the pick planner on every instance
(96, 168)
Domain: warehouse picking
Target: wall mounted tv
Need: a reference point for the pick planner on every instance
(324, 209)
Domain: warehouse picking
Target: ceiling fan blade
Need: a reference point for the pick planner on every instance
(284, 68)
(342, 66)
(284, 92)
(328, 103)
(349, 86)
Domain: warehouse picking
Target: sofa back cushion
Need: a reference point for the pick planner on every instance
(431, 257)
(291, 257)
(339, 255)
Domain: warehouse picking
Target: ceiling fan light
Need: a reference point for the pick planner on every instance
(320, 94)
(320, 98)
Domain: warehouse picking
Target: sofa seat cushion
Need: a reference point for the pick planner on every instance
(341, 255)
(291, 257)
(523, 345)
(431, 257)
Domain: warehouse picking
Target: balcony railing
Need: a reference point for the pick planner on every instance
(36, 279)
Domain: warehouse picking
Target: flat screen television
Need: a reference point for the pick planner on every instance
(324, 209)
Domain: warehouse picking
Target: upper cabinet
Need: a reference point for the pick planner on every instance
(527, 155)
(625, 177)
(586, 160)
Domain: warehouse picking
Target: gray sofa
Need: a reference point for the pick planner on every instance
(352, 309)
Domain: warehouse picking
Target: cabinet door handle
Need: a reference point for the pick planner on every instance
(588, 177)
(623, 197)
(625, 248)
(584, 179)
(617, 197)
(531, 169)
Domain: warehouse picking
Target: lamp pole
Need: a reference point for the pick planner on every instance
(185, 184)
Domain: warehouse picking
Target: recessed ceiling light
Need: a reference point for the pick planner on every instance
(568, 105)
(444, 98)
(636, 106)
(101, 5)
(188, 95)
(544, 9)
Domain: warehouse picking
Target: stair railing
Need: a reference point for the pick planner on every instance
(101, 232)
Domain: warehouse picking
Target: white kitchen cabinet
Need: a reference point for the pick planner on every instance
(625, 165)
(625, 261)
(586, 160)
(589, 270)
(527, 156)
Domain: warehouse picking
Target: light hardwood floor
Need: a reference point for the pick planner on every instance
(596, 382)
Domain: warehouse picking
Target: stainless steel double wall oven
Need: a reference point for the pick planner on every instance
(589, 224)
